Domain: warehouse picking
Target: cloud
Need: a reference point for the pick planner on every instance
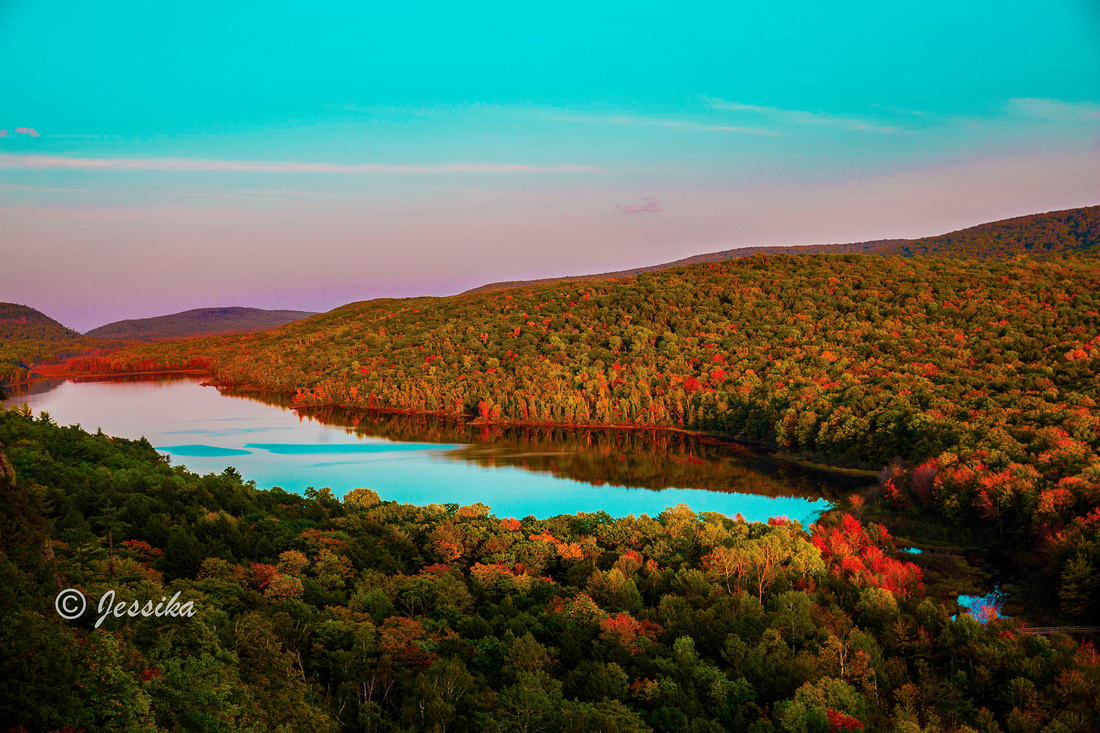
(1054, 109)
(227, 195)
(799, 117)
(643, 121)
(3, 133)
(27, 131)
(650, 206)
(192, 164)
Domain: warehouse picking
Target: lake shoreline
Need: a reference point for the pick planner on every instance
(969, 578)
(772, 451)
(55, 371)
(211, 380)
(536, 472)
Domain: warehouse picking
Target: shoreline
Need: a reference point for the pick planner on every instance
(771, 451)
(973, 579)
(46, 374)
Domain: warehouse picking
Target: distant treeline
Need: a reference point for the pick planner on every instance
(650, 458)
(315, 614)
(29, 338)
(197, 322)
(1051, 235)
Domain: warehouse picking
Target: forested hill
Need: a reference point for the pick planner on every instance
(985, 374)
(1052, 235)
(21, 322)
(1055, 234)
(198, 322)
(29, 337)
(729, 254)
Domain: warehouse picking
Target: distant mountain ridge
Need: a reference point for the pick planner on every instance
(198, 322)
(1054, 234)
(1044, 236)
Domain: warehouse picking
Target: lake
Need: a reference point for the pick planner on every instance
(422, 460)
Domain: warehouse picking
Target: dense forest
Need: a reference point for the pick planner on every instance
(29, 338)
(313, 613)
(197, 322)
(1052, 235)
(1056, 234)
(974, 382)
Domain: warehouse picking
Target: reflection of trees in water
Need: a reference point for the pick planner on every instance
(131, 378)
(42, 386)
(653, 459)
(26, 389)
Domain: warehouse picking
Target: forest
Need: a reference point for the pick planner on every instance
(1051, 235)
(361, 614)
(29, 338)
(973, 385)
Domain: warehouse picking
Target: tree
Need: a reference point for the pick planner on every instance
(112, 523)
(362, 498)
(606, 716)
(728, 565)
(183, 555)
(780, 554)
(1080, 587)
(437, 697)
(530, 705)
(815, 707)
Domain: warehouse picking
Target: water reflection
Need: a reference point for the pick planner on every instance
(424, 459)
(641, 458)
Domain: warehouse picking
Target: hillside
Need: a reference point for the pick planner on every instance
(1055, 234)
(198, 322)
(729, 254)
(1044, 236)
(29, 338)
(21, 322)
(985, 374)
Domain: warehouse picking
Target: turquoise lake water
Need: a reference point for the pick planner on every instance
(516, 473)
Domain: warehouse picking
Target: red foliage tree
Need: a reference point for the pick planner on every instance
(839, 721)
(855, 554)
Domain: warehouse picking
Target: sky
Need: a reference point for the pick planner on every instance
(158, 157)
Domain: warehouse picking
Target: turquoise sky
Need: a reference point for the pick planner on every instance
(163, 156)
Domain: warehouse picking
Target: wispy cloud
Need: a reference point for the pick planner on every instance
(650, 206)
(192, 164)
(51, 189)
(799, 117)
(271, 192)
(1055, 109)
(645, 121)
(227, 195)
(27, 131)
(3, 133)
(281, 195)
